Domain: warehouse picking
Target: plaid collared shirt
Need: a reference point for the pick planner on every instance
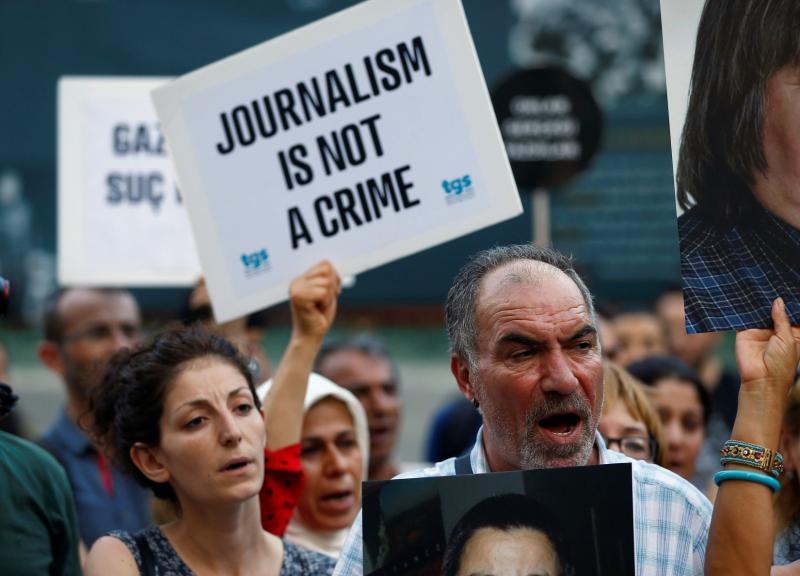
(731, 277)
(670, 516)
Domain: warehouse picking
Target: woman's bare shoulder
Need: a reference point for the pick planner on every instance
(110, 555)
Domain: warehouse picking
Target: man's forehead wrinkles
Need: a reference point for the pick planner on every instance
(538, 313)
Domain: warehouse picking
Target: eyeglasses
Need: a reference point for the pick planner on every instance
(104, 332)
(638, 447)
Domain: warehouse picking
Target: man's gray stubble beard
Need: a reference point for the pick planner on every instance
(535, 453)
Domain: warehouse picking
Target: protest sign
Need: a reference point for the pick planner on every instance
(121, 220)
(428, 526)
(361, 138)
(551, 125)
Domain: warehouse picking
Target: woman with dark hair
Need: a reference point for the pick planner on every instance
(522, 535)
(738, 176)
(182, 416)
(683, 404)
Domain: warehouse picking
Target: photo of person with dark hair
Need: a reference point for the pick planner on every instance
(507, 534)
(738, 173)
(553, 522)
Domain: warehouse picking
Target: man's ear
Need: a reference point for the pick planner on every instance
(148, 460)
(461, 371)
(49, 354)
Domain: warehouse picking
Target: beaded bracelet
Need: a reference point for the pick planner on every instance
(764, 459)
(764, 479)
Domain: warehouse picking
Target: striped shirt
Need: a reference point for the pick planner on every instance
(670, 516)
(732, 276)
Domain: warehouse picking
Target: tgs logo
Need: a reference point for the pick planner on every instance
(458, 190)
(256, 262)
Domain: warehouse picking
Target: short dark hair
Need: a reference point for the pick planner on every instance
(460, 309)
(505, 512)
(128, 405)
(740, 45)
(653, 369)
(52, 320)
(367, 344)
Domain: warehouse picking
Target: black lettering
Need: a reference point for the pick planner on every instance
(383, 59)
(228, 148)
(303, 174)
(410, 60)
(382, 195)
(353, 145)
(245, 137)
(404, 187)
(336, 93)
(262, 127)
(376, 141)
(315, 99)
(371, 76)
(298, 228)
(323, 226)
(363, 201)
(287, 178)
(284, 100)
(345, 203)
(351, 79)
(326, 153)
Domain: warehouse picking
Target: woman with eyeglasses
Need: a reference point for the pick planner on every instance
(629, 423)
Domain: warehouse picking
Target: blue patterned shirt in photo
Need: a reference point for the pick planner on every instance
(732, 276)
(670, 516)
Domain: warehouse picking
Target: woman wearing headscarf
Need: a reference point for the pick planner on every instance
(334, 453)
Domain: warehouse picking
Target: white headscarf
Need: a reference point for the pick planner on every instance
(319, 388)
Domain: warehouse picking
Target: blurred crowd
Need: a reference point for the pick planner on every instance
(670, 399)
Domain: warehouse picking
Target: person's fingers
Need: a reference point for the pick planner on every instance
(780, 320)
(783, 328)
(317, 288)
(796, 337)
(318, 291)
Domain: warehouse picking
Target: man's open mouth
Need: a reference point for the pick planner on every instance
(560, 424)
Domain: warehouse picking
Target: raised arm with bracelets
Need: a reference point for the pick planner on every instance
(742, 528)
(313, 304)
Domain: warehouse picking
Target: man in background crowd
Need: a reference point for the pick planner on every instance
(639, 334)
(699, 352)
(363, 366)
(83, 328)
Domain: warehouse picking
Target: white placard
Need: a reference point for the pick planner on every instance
(679, 20)
(121, 221)
(361, 138)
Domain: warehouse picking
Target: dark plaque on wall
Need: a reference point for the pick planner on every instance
(551, 125)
